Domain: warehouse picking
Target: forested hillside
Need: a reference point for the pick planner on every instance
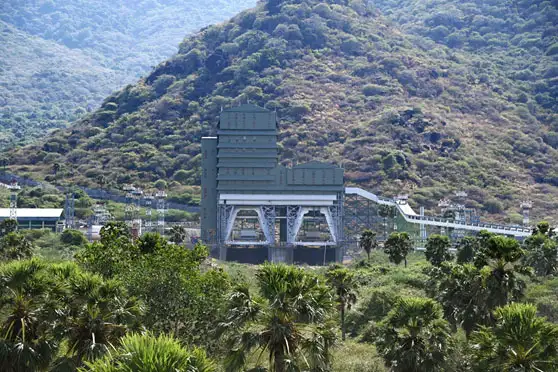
(401, 107)
(60, 58)
(43, 85)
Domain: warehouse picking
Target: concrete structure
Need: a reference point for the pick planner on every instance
(35, 218)
(254, 209)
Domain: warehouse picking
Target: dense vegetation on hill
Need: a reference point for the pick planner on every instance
(44, 85)
(61, 58)
(152, 304)
(404, 107)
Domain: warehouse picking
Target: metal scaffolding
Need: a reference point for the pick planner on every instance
(14, 189)
(160, 196)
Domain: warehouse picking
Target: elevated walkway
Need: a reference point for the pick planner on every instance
(411, 217)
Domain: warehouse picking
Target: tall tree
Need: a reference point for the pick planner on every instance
(470, 293)
(518, 341)
(344, 284)
(542, 251)
(414, 336)
(504, 264)
(462, 292)
(544, 228)
(437, 249)
(466, 249)
(108, 256)
(287, 323)
(398, 246)
(368, 241)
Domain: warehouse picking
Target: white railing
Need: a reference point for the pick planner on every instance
(517, 231)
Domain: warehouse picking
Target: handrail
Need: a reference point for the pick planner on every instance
(437, 221)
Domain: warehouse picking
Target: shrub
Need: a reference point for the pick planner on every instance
(374, 90)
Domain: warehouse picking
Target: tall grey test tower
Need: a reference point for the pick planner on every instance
(253, 209)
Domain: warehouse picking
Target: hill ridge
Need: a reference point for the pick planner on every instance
(401, 112)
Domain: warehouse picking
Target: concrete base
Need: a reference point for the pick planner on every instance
(254, 256)
(284, 254)
(315, 256)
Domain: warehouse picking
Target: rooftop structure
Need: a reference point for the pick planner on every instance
(34, 218)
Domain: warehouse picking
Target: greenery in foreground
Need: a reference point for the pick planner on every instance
(151, 305)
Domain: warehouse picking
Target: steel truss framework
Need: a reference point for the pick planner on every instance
(267, 216)
(360, 214)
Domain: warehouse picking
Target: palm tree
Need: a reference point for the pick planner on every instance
(437, 249)
(466, 249)
(288, 322)
(45, 305)
(414, 336)
(178, 234)
(462, 292)
(542, 253)
(503, 257)
(344, 284)
(26, 343)
(14, 246)
(519, 341)
(147, 353)
(96, 314)
(8, 226)
(368, 241)
(397, 247)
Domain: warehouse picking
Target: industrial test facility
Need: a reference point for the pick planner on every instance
(253, 209)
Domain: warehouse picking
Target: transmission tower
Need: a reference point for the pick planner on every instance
(525, 211)
(14, 189)
(148, 211)
(69, 208)
(100, 217)
(160, 196)
(137, 194)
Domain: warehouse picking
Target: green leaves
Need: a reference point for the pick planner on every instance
(414, 337)
(397, 247)
(519, 340)
(437, 249)
(14, 246)
(368, 241)
(148, 353)
(289, 323)
(46, 305)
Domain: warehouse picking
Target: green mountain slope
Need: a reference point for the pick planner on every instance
(401, 112)
(46, 83)
(116, 42)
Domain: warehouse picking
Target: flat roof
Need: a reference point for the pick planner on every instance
(33, 212)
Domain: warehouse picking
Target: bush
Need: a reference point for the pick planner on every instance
(374, 90)
(73, 237)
